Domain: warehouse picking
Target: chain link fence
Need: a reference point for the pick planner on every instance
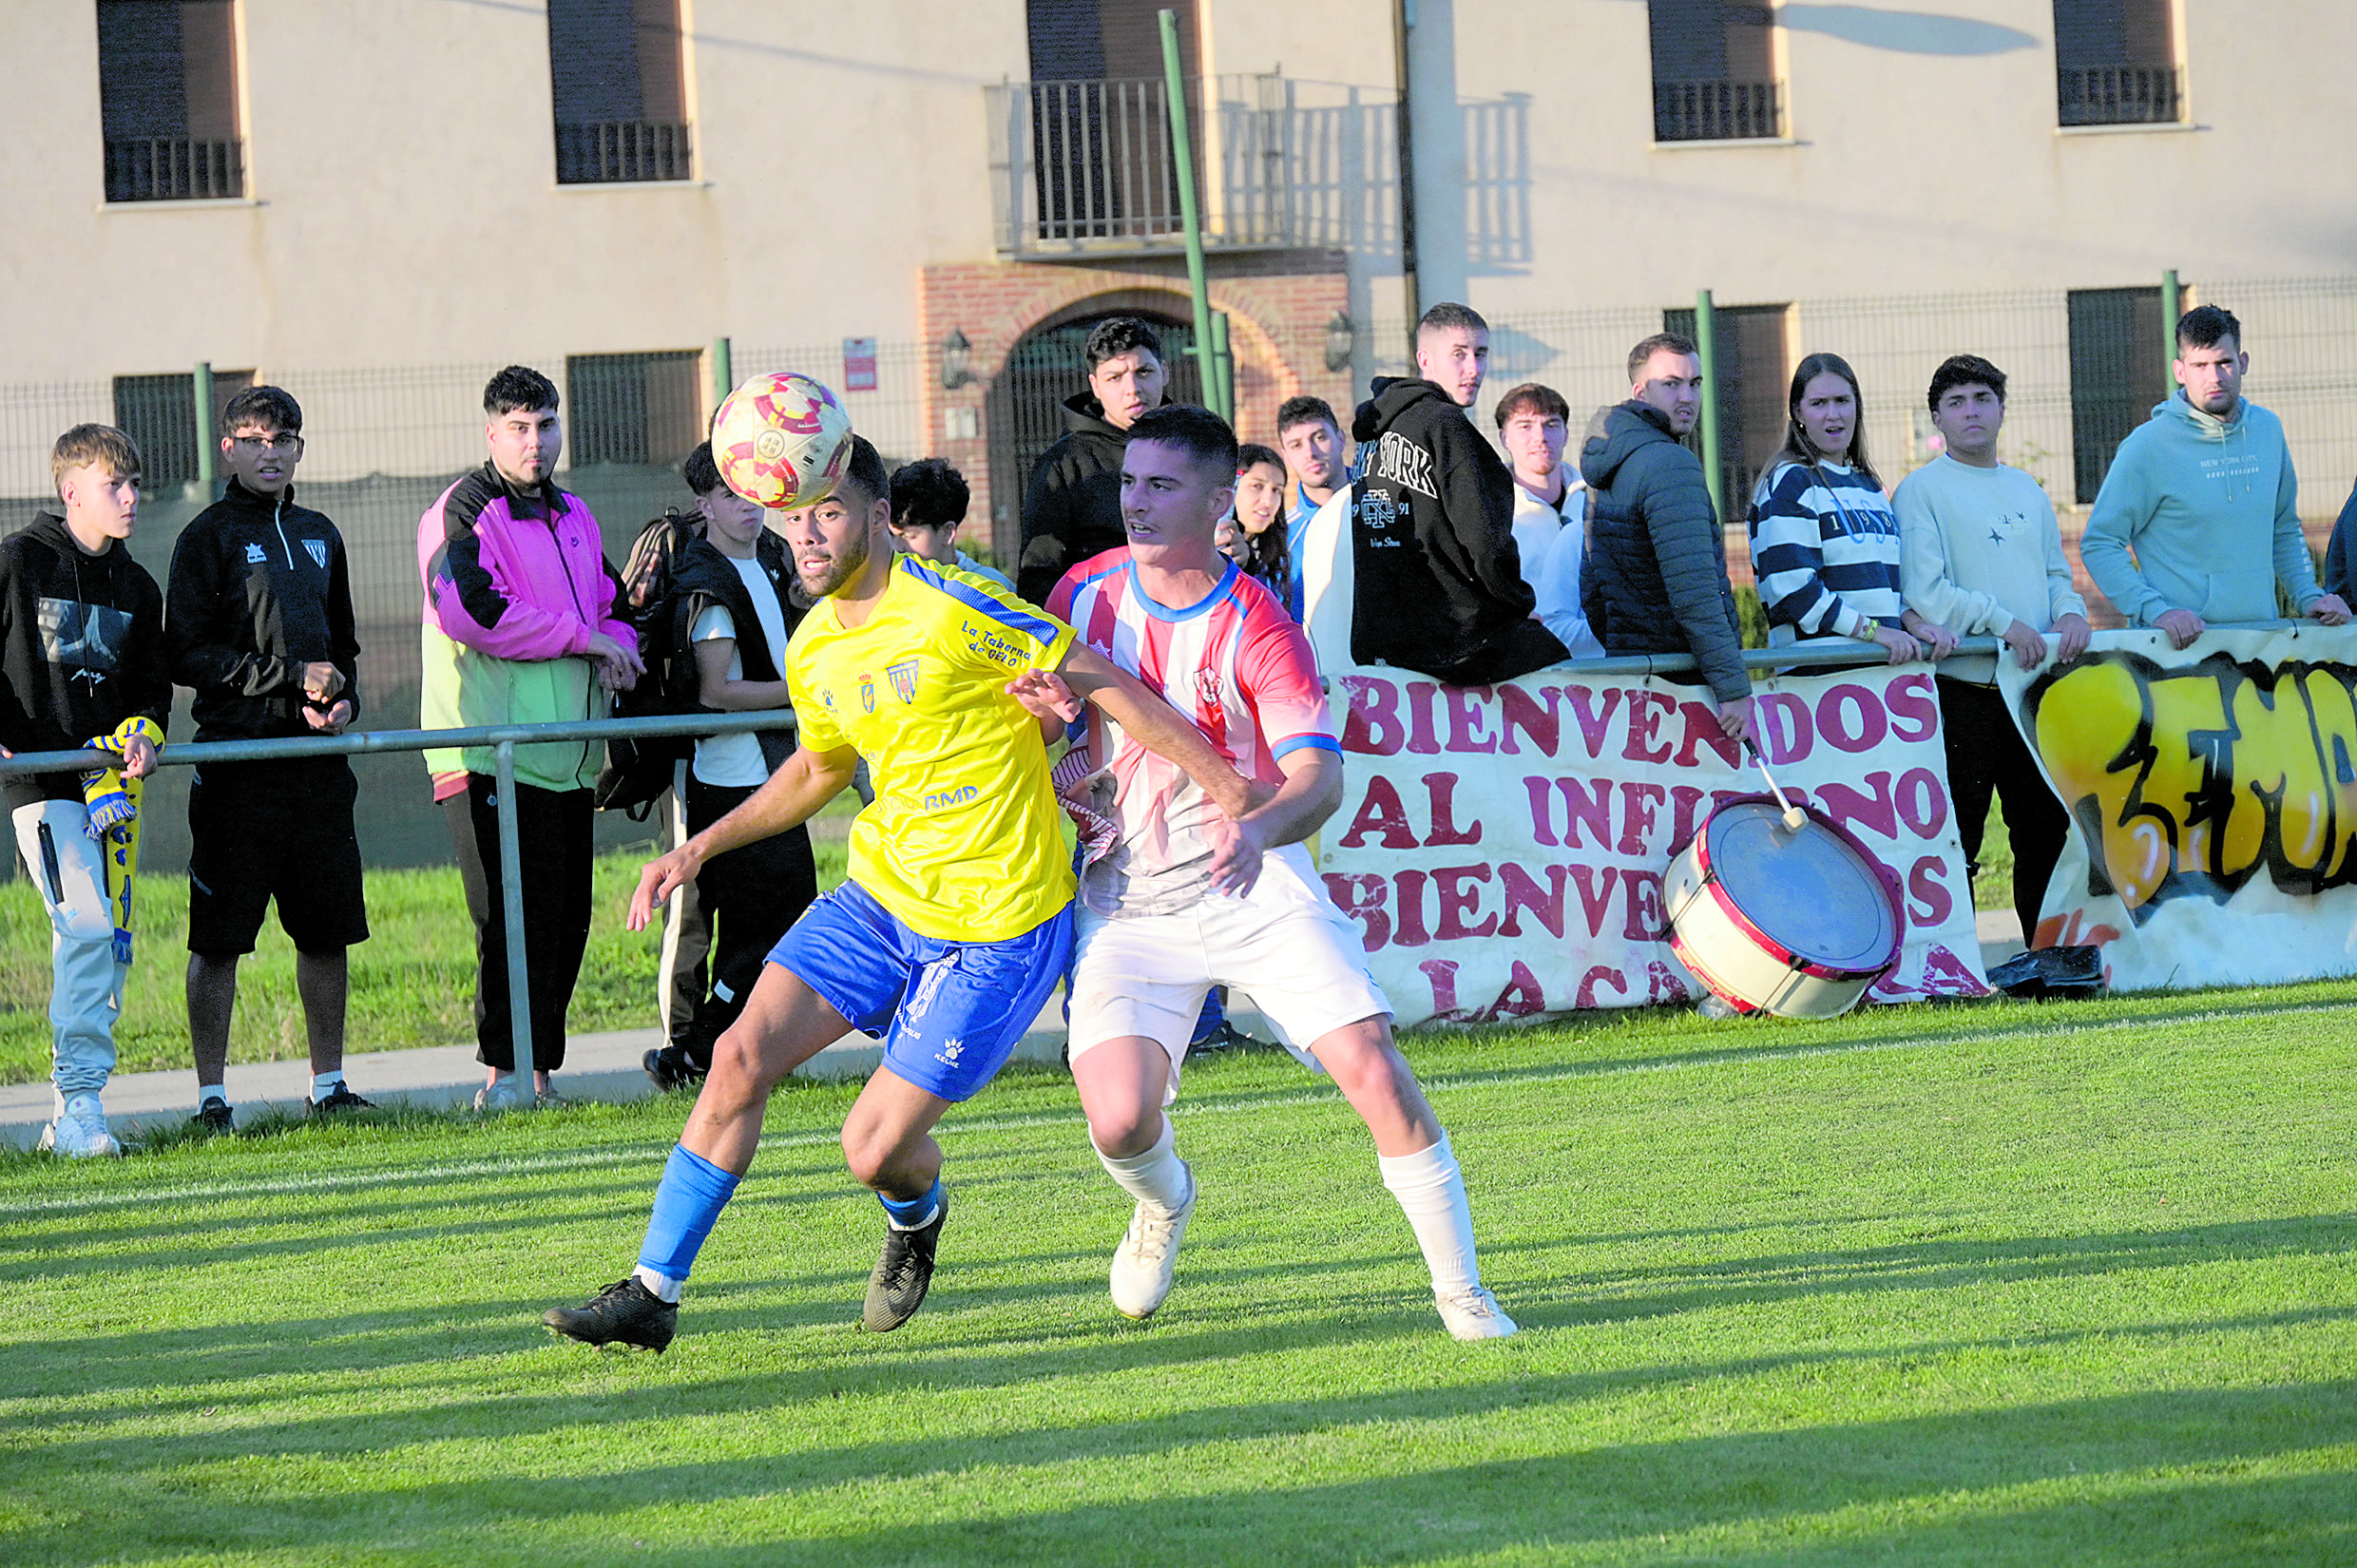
(384, 442)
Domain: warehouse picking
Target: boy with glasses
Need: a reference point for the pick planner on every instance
(258, 622)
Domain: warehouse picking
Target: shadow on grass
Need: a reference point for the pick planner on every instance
(1972, 1487)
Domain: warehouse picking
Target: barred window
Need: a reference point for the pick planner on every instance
(621, 92)
(633, 408)
(167, 100)
(2118, 371)
(1714, 71)
(159, 413)
(2116, 63)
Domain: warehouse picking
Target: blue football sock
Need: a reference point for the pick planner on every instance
(692, 1192)
(913, 1212)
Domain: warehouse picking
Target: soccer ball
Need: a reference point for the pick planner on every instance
(781, 441)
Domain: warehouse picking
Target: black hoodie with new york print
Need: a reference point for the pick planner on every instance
(81, 650)
(1438, 581)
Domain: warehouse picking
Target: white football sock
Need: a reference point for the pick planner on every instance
(212, 1091)
(324, 1085)
(1431, 1194)
(664, 1287)
(1158, 1177)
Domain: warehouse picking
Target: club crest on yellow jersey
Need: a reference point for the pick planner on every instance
(903, 676)
(867, 692)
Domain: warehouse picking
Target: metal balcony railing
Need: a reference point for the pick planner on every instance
(1717, 111)
(2119, 95)
(158, 168)
(611, 151)
(1086, 168)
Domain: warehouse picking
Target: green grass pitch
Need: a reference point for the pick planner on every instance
(2008, 1284)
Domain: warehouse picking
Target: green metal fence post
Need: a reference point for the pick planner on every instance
(1182, 152)
(1221, 395)
(511, 902)
(1706, 346)
(2171, 306)
(200, 399)
(723, 374)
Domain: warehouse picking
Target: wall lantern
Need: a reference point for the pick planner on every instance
(1341, 340)
(956, 354)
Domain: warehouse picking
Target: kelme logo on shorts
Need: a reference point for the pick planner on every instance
(904, 680)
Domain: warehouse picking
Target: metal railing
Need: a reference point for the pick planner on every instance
(1717, 111)
(2119, 95)
(612, 152)
(502, 738)
(1088, 167)
(156, 168)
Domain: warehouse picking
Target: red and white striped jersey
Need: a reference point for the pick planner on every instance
(1237, 665)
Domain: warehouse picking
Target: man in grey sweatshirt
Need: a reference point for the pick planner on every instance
(2204, 495)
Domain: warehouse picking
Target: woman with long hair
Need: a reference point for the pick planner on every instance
(1260, 544)
(1824, 543)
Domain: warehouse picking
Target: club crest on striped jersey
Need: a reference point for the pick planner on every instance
(867, 692)
(1207, 693)
(903, 677)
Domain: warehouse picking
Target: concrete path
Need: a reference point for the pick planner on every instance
(599, 1066)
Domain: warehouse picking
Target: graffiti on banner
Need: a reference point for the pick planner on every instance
(1501, 847)
(2212, 794)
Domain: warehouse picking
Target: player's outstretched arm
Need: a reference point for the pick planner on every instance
(1159, 727)
(1310, 793)
(802, 783)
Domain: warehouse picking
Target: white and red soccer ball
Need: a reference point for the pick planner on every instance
(781, 441)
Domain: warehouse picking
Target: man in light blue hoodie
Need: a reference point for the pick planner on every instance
(2204, 494)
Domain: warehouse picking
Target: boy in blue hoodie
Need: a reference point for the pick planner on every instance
(2204, 494)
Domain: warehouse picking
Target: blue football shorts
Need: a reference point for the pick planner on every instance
(948, 1012)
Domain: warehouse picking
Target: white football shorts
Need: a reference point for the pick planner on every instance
(1284, 945)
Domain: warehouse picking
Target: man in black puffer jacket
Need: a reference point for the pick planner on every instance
(1439, 583)
(1072, 506)
(1655, 579)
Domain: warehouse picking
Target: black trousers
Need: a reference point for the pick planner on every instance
(752, 892)
(1986, 755)
(553, 835)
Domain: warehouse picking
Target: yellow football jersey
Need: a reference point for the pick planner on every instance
(964, 841)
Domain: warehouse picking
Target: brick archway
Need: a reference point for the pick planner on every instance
(1277, 306)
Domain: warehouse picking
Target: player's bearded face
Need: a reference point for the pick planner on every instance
(830, 545)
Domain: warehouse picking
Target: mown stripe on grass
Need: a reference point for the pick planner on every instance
(1214, 1105)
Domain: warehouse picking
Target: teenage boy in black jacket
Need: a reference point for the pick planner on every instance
(734, 596)
(81, 660)
(1072, 506)
(1439, 583)
(261, 626)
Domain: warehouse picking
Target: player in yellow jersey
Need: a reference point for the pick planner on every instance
(956, 922)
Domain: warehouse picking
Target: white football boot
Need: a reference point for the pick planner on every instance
(1143, 1263)
(1473, 1314)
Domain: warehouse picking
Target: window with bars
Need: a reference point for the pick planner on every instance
(1714, 71)
(2116, 63)
(2118, 372)
(159, 413)
(621, 92)
(633, 408)
(1101, 154)
(167, 100)
(1751, 363)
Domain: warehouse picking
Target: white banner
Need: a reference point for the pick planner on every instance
(1501, 847)
(2212, 793)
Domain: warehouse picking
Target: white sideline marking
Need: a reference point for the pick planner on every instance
(357, 1180)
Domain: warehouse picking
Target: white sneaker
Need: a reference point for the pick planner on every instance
(1473, 1314)
(1143, 1263)
(80, 1130)
(499, 1096)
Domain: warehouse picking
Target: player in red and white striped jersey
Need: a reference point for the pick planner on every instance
(1182, 898)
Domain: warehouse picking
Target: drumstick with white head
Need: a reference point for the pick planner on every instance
(1794, 818)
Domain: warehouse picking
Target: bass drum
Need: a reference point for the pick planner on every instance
(1794, 922)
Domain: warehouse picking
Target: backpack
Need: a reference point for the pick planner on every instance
(637, 772)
